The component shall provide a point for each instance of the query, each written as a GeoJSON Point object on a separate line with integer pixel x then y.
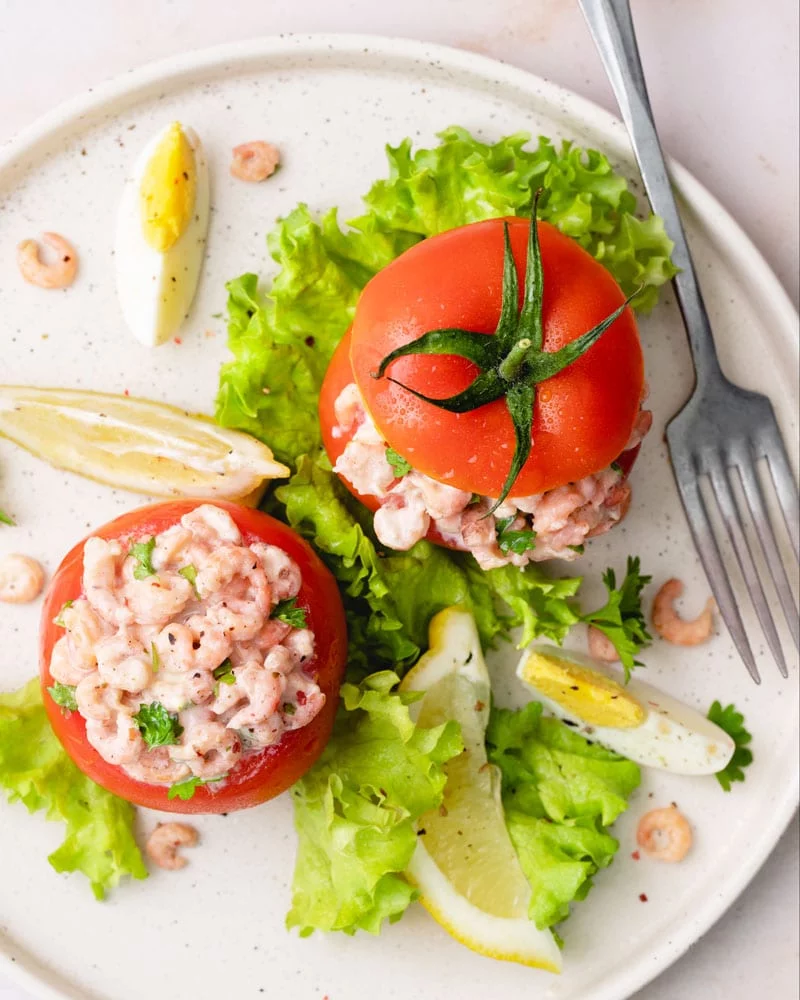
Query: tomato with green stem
{"type": "Point", "coordinates": [416, 345]}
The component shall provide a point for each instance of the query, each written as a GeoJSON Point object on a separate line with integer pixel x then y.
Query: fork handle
{"type": "Point", "coordinates": [611, 26]}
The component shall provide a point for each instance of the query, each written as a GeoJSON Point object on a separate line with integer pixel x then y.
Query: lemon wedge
{"type": "Point", "coordinates": [135, 444]}
{"type": "Point", "coordinates": [465, 865]}
{"type": "Point", "coordinates": [579, 690]}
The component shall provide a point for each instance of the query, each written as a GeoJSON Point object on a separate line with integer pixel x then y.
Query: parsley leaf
{"type": "Point", "coordinates": [159, 728]}
{"type": "Point", "coordinates": [224, 672]}
{"type": "Point", "coordinates": [514, 541]}
{"type": "Point", "coordinates": [399, 465]}
{"type": "Point", "coordinates": [190, 573]}
{"type": "Point", "coordinates": [6, 518]}
{"type": "Point", "coordinates": [64, 695]}
{"type": "Point", "coordinates": [142, 552]}
{"type": "Point", "coordinates": [733, 723]}
{"type": "Point", "coordinates": [60, 619]}
{"type": "Point", "coordinates": [287, 611]}
{"type": "Point", "coordinates": [288, 708]}
{"type": "Point", "coordinates": [622, 619]}
{"type": "Point", "coordinates": [185, 789]}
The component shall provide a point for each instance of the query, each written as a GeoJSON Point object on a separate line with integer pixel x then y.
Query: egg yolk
{"type": "Point", "coordinates": [167, 192]}
{"type": "Point", "coordinates": [587, 694]}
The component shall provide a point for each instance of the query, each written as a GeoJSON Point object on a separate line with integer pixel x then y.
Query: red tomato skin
{"type": "Point", "coordinates": [339, 375]}
{"type": "Point", "coordinates": [583, 416]}
{"type": "Point", "coordinates": [262, 775]}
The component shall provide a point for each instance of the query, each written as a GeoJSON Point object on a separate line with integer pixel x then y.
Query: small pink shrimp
{"type": "Point", "coordinates": [282, 571]}
{"type": "Point", "coordinates": [281, 660]}
{"type": "Point", "coordinates": [210, 644]}
{"type": "Point", "coordinates": [402, 519]}
{"type": "Point", "coordinates": [173, 546]}
{"type": "Point", "coordinates": [63, 668]}
{"type": "Point", "coordinates": [664, 834]}
{"type": "Point", "coordinates": [263, 689]}
{"type": "Point", "coordinates": [255, 161]}
{"type": "Point", "coordinates": [601, 647]}
{"type": "Point", "coordinates": [58, 274]}
{"type": "Point", "coordinates": [116, 740]}
{"type": "Point", "coordinates": [212, 525]}
{"type": "Point", "coordinates": [479, 534]}
{"type": "Point", "coordinates": [556, 507]}
{"type": "Point", "coordinates": [272, 634]}
{"type": "Point", "coordinates": [156, 599]}
{"type": "Point", "coordinates": [122, 661]}
{"type": "Point", "coordinates": [21, 579]}
{"type": "Point", "coordinates": [163, 843]}
{"type": "Point", "coordinates": [156, 768]}
{"type": "Point", "coordinates": [363, 464]}
{"type": "Point", "coordinates": [227, 698]}
{"type": "Point", "coordinates": [441, 500]}
{"type": "Point", "coordinates": [303, 700]}
{"type": "Point", "coordinates": [670, 626]}
{"type": "Point", "coordinates": [84, 630]}
{"type": "Point", "coordinates": [617, 504]}
{"type": "Point", "coordinates": [266, 734]}
{"type": "Point", "coordinates": [300, 644]}
{"type": "Point", "coordinates": [210, 750]}
{"type": "Point", "coordinates": [236, 588]}
{"type": "Point", "coordinates": [96, 698]}
{"type": "Point", "coordinates": [174, 646]}
{"type": "Point", "coordinates": [348, 408]}
{"type": "Point", "coordinates": [102, 560]}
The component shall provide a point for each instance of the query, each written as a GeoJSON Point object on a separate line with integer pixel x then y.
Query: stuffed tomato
{"type": "Point", "coordinates": [488, 395]}
{"type": "Point", "coordinates": [191, 656]}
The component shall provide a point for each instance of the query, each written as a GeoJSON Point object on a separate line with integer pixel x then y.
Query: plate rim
{"type": "Point", "coordinates": [738, 246]}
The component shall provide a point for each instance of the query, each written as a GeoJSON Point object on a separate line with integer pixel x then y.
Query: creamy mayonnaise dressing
{"type": "Point", "coordinates": [193, 632]}
{"type": "Point", "coordinates": [562, 518]}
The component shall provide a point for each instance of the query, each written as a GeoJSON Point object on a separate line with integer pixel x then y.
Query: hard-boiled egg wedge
{"type": "Point", "coordinates": [637, 720]}
{"type": "Point", "coordinates": [161, 234]}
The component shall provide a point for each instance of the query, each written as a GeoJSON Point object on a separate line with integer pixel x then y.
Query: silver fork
{"type": "Point", "coordinates": [723, 431]}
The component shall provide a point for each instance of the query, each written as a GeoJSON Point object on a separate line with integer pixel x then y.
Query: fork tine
{"type": "Point", "coordinates": [758, 511]}
{"type": "Point", "coordinates": [730, 516]}
{"type": "Point", "coordinates": [710, 556]}
{"type": "Point", "coordinates": [785, 487]}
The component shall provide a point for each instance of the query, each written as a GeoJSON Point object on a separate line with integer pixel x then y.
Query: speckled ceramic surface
{"type": "Point", "coordinates": [216, 929]}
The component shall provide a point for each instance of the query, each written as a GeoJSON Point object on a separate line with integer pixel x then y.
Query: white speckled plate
{"type": "Point", "coordinates": [216, 929]}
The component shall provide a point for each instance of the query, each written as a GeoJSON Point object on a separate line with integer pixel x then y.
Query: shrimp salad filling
{"type": "Point", "coordinates": [186, 650]}
{"type": "Point", "coordinates": [549, 525]}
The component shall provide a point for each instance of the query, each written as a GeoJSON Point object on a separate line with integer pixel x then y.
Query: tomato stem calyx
{"type": "Point", "coordinates": [511, 362]}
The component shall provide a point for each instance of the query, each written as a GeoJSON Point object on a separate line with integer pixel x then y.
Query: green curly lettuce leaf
{"type": "Point", "coordinates": [560, 794]}
{"type": "Point", "coordinates": [355, 810]}
{"type": "Point", "coordinates": [36, 771]}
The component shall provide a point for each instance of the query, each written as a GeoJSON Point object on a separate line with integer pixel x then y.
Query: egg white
{"type": "Point", "coordinates": [156, 289]}
{"type": "Point", "coordinates": [673, 737]}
